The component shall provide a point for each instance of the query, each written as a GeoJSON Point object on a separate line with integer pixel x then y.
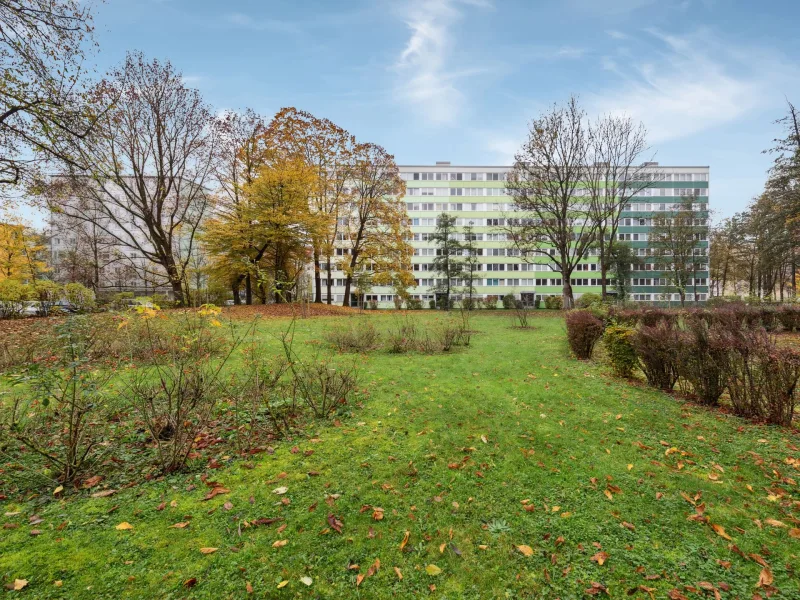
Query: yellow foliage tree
{"type": "Point", "coordinates": [271, 234]}
{"type": "Point", "coordinates": [20, 253]}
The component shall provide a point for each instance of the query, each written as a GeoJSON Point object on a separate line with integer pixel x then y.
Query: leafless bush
{"type": "Point", "coordinates": [521, 315]}
{"type": "Point", "coordinates": [319, 383]}
{"type": "Point", "coordinates": [403, 335]}
{"type": "Point", "coordinates": [60, 417]}
{"type": "Point", "coordinates": [657, 349]}
{"type": "Point", "coordinates": [176, 394]}
{"type": "Point", "coordinates": [363, 337]}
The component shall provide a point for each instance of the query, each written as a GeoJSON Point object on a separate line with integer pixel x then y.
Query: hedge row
{"type": "Point", "coordinates": [703, 352]}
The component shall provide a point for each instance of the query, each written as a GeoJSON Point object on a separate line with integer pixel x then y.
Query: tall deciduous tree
{"type": "Point", "coordinates": [617, 174]}
{"type": "Point", "coordinates": [241, 153]}
{"type": "Point", "coordinates": [327, 148]}
{"type": "Point", "coordinates": [373, 217]}
{"type": "Point", "coordinates": [145, 167]}
{"type": "Point", "coordinates": [273, 232]}
{"type": "Point", "coordinates": [675, 239]}
{"type": "Point", "coordinates": [552, 217]}
{"type": "Point", "coordinates": [21, 253]}
{"type": "Point", "coordinates": [43, 45]}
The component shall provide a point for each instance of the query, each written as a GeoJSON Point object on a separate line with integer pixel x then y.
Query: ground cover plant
{"type": "Point", "coordinates": [502, 469]}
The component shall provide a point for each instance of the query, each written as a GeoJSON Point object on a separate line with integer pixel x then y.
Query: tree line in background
{"type": "Point", "coordinates": [140, 162]}
{"type": "Point", "coordinates": [755, 253]}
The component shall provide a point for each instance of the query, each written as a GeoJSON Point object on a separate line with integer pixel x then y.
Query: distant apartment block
{"type": "Point", "coordinates": [476, 195]}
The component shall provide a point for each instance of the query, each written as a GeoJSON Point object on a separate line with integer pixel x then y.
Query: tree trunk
{"type": "Point", "coordinates": [347, 282]}
{"type": "Point", "coordinates": [317, 279]}
{"type": "Point", "coordinates": [603, 271]}
{"type": "Point", "coordinates": [248, 290]}
{"type": "Point", "coordinates": [235, 289]}
{"type": "Point", "coordinates": [329, 282]}
{"type": "Point", "coordinates": [566, 294]}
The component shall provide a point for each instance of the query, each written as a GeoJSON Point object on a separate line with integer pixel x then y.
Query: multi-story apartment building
{"type": "Point", "coordinates": [477, 196]}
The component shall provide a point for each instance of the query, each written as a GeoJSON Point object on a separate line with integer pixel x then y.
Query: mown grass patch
{"type": "Point", "coordinates": [454, 448]}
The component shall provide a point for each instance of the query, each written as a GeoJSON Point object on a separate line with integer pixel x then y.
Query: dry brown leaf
{"type": "Point", "coordinates": [600, 558]}
{"type": "Point", "coordinates": [280, 543]}
{"type": "Point", "coordinates": [765, 577]}
{"type": "Point", "coordinates": [525, 550]}
{"type": "Point", "coordinates": [399, 573]}
{"type": "Point", "coordinates": [720, 531]}
{"type": "Point", "coordinates": [208, 550]}
{"type": "Point", "coordinates": [180, 525]}
{"type": "Point", "coordinates": [405, 540]}
{"type": "Point", "coordinates": [124, 526]}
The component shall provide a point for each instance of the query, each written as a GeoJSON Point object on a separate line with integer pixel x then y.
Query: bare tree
{"type": "Point", "coordinates": [43, 45]}
{"type": "Point", "coordinates": [552, 217]}
{"type": "Point", "coordinates": [375, 217]}
{"type": "Point", "coordinates": [675, 238]}
{"type": "Point", "coordinates": [147, 164]}
{"type": "Point", "coordinates": [616, 145]}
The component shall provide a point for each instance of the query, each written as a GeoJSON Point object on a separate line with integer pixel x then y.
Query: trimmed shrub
{"type": "Point", "coordinates": [702, 359]}
{"type": "Point", "coordinates": [789, 317]}
{"type": "Point", "coordinates": [651, 317]}
{"type": "Point", "coordinates": [490, 302]}
{"type": "Point", "coordinates": [584, 330]}
{"type": "Point", "coordinates": [554, 302]}
{"type": "Point", "coordinates": [414, 304]}
{"type": "Point", "coordinates": [537, 302]}
{"type": "Point", "coordinates": [618, 342]}
{"type": "Point", "coordinates": [588, 299]}
{"type": "Point", "coordinates": [13, 296]}
{"type": "Point", "coordinates": [79, 296]}
{"type": "Point", "coordinates": [657, 349]}
{"type": "Point", "coordinates": [509, 301]}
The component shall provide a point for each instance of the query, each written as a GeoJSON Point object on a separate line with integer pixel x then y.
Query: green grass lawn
{"type": "Point", "coordinates": [455, 449]}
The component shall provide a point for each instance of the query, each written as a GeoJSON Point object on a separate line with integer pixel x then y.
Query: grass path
{"type": "Point", "coordinates": [454, 449]}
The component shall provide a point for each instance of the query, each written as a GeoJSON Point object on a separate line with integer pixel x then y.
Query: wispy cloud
{"type": "Point", "coordinates": [697, 82]}
{"type": "Point", "coordinates": [426, 78]}
{"type": "Point", "coordinates": [258, 24]}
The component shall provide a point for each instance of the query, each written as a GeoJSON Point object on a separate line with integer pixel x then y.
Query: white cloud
{"type": "Point", "coordinates": [617, 35]}
{"type": "Point", "coordinates": [247, 22]}
{"type": "Point", "coordinates": [192, 80]}
{"type": "Point", "coordinates": [697, 83]}
{"type": "Point", "coordinates": [426, 78]}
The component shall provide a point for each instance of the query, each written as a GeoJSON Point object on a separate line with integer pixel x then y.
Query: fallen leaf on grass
{"type": "Point", "coordinates": [405, 540]}
{"type": "Point", "coordinates": [179, 525]}
{"type": "Point", "coordinates": [280, 490]}
{"type": "Point", "coordinates": [124, 526]}
{"type": "Point", "coordinates": [306, 580]}
{"type": "Point", "coordinates": [283, 583]}
{"type": "Point", "coordinates": [216, 492]}
{"type": "Point", "coordinates": [794, 532]}
{"type": "Point", "coordinates": [720, 531]}
{"type": "Point", "coordinates": [335, 523]}
{"type": "Point", "coordinates": [92, 481]}
{"type": "Point", "coordinates": [774, 522]}
{"type": "Point", "coordinates": [432, 570]}
{"type": "Point", "coordinates": [190, 583]}
{"type": "Point", "coordinates": [208, 550]}
{"type": "Point", "coordinates": [280, 543]}
{"type": "Point", "coordinates": [765, 577]}
{"type": "Point", "coordinates": [525, 550]}
{"type": "Point", "coordinates": [600, 558]}
{"type": "Point", "coordinates": [104, 494]}
{"type": "Point", "coordinates": [58, 490]}
{"type": "Point", "coordinates": [398, 573]}
{"type": "Point", "coordinates": [19, 584]}
{"type": "Point", "coordinates": [597, 588]}
{"type": "Point", "coordinates": [249, 587]}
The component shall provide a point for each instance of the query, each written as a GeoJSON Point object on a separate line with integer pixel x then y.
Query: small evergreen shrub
{"type": "Point", "coordinates": [554, 302]}
{"type": "Point", "coordinates": [584, 330]}
{"type": "Point", "coordinates": [588, 299]}
{"type": "Point", "coordinates": [509, 301]}
{"type": "Point", "coordinates": [618, 342]}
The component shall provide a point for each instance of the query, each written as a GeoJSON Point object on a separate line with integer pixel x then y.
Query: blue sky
{"type": "Point", "coordinates": [459, 80]}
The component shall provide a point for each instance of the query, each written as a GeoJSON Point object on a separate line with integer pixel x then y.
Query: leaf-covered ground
{"type": "Point", "coordinates": [504, 470]}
